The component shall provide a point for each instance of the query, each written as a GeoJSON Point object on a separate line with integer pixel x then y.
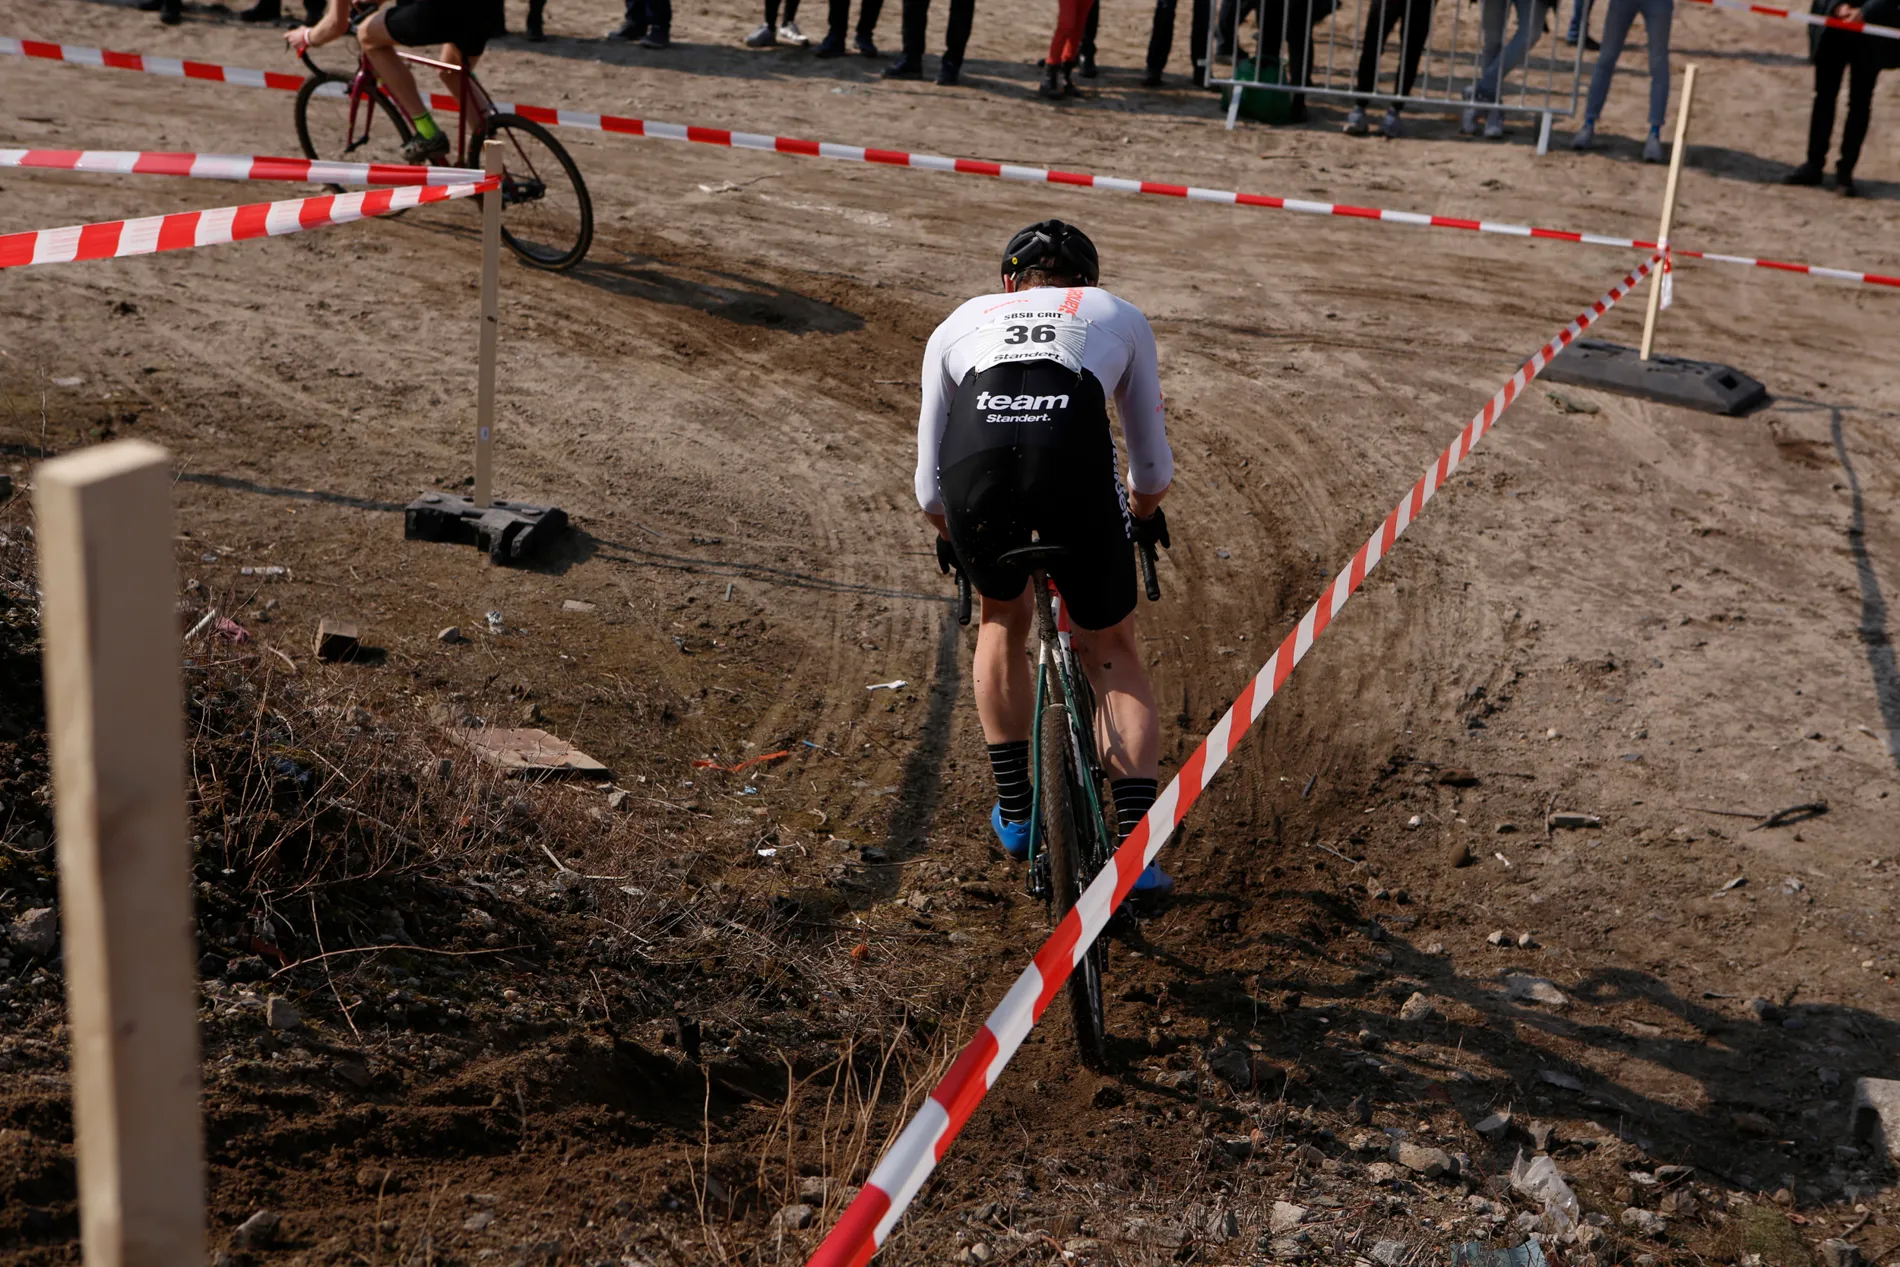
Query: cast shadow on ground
{"type": "Point", "coordinates": [741, 300]}
{"type": "Point", "coordinates": [642, 557]}
{"type": "Point", "coordinates": [1875, 630]}
{"type": "Point", "coordinates": [233, 483]}
{"type": "Point", "coordinates": [1770, 1100]}
{"type": "Point", "coordinates": [1733, 164]}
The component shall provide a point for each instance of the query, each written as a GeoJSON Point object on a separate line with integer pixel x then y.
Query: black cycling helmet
{"type": "Point", "coordinates": [1056, 247]}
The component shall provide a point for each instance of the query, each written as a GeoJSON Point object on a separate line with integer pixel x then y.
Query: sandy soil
{"type": "Point", "coordinates": [1664, 619]}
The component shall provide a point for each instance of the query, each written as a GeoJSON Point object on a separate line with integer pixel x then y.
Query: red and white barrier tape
{"type": "Point", "coordinates": [1805, 19]}
{"type": "Point", "coordinates": [624, 126]}
{"type": "Point", "coordinates": [916, 1152]}
{"type": "Point", "coordinates": [184, 229]}
{"type": "Point", "coordinates": [236, 167]}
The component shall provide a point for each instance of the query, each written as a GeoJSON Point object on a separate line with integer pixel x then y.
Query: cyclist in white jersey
{"type": "Point", "coordinates": [1014, 444]}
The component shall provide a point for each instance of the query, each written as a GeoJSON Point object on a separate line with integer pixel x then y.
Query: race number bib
{"type": "Point", "coordinates": [1048, 335]}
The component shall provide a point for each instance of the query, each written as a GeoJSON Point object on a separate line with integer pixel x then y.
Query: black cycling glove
{"type": "Point", "coordinates": [946, 555]}
{"type": "Point", "coordinates": [1153, 531]}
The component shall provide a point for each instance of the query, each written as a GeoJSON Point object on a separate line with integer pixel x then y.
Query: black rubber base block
{"type": "Point", "coordinates": [1705, 385]}
{"type": "Point", "coordinates": [511, 532]}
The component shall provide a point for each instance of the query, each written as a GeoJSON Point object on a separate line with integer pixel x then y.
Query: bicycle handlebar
{"type": "Point", "coordinates": [1148, 579]}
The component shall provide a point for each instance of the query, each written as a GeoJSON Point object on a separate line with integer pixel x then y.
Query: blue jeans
{"type": "Point", "coordinates": [1657, 15]}
{"type": "Point", "coordinates": [1576, 21]}
{"type": "Point", "coordinates": [1497, 64]}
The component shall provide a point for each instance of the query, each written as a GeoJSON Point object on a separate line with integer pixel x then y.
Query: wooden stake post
{"type": "Point", "coordinates": [115, 710]}
{"type": "Point", "coordinates": [485, 373]}
{"type": "Point", "coordinates": [1668, 211]}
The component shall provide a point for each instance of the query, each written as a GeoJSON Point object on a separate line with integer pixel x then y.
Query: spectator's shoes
{"type": "Point", "coordinates": [629, 31]}
{"type": "Point", "coordinates": [788, 33]}
{"type": "Point", "coordinates": [1051, 86]}
{"type": "Point", "coordinates": [1356, 123]}
{"type": "Point", "coordinates": [1806, 174]}
{"type": "Point", "coordinates": [830, 46]}
{"type": "Point", "coordinates": [905, 67]}
{"type": "Point", "coordinates": [1089, 70]}
{"type": "Point", "coordinates": [534, 32]}
{"type": "Point", "coordinates": [1468, 121]}
{"type": "Point", "coordinates": [866, 46]}
{"type": "Point", "coordinates": [1200, 75]}
{"type": "Point", "coordinates": [1494, 124]}
{"type": "Point", "coordinates": [418, 149]}
{"type": "Point", "coordinates": [948, 73]}
{"type": "Point", "coordinates": [1297, 112]}
{"type": "Point", "coordinates": [1014, 837]}
{"type": "Point", "coordinates": [1393, 125]}
{"type": "Point", "coordinates": [171, 13]}
{"type": "Point", "coordinates": [1586, 136]}
{"type": "Point", "coordinates": [763, 37]}
{"type": "Point", "coordinates": [657, 38]}
{"type": "Point", "coordinates": [1844, 181]}
{"type": "Point", "coordinates": [1152, 79]}
{"type": "Point", "coordinates": [1653, 149]}
{"type": "Point", "coordinates": [263, 11]}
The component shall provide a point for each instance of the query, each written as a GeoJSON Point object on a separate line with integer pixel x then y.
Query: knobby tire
{"type": "Point", "coordinates": [321, 140]}
{"type": "Point", "coordinates": [1062, 837]}
{"type": "Point", "coordinates": [547, 242]}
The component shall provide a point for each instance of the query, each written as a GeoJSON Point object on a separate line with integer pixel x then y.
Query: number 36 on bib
{"type": "Point", "coordinates": [1032, 336]}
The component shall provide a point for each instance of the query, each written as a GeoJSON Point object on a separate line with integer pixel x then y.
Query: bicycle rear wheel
{"type": "Point", "coordinates": [546, 216]}
{"type": "Point", "coordinates": [326, 131]}
{"type": "Point", "coordinates": [1064, 838]}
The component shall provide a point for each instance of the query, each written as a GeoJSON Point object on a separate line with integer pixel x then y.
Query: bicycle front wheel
{"type": "Point", "coordinates": [546, 216]}
{"type": "Point", "coordinates": [1067, 846]}
{"type": "Point", "coordinates": [327, 130]}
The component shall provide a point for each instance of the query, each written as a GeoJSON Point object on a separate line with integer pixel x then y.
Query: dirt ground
{"type": "Point", "coordinates": [1673, 622]}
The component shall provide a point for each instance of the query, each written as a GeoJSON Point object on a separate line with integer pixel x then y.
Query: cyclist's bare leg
{"type": "Point", "coordinates": [1005, 687]}
{"type": "Point", "coordinates": [380, 47]}
{"type": "Point", "coordinates": [1127, 725]}
{"type": "Point", "coordinates": [452, 79]}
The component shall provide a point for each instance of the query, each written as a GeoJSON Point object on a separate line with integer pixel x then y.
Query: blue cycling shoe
{"type": "Point", "coordinates": [1154, 882]}
{"type": "Point", "coordinates": [1014, 837]}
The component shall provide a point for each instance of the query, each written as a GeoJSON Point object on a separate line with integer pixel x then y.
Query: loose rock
{"type": "Point", "coordinates": [1285, 1217]}
{"type": "Point", "coordinates": [1645, 1222]}
{"type": "Point", "coordinates": [1388, 1253]}
{"type": "Point", "coordinates": [1836, 1252]}
{"type": "Point", "coordinates": [450, 636]}
{"type": "Point", "coordinates": [1495, 1127]}
{"type": "Point", "coordinates": [259, 1231]}
{"type": "Point", "coordinates": [1418, 1008]}
{"type": "Point", "coordinates": [1573, 821]}
{"type": "Point", "coordinates": [279, 1013]}
{"type": "Point", "coordinates": [36, 932]}
{"type": "Point", "coordinates": [1459, 854]}
{"type": "Point", "coordinates": [1232, 1066]}
{"type": "Point", "coordinates": [794, 1218]}
{"type": "Point", "coordinates": [1533, 990]}
{"type": "Point", "coordinates": [478, 1221]}
{"type": "Point", "coordinates": [1433, 1163]}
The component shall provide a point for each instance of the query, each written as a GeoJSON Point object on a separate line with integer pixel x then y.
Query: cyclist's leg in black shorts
{"type": "Point", "coordinates": [1028, 450]}
{"type": "Point", "coordinates": [467, 24]}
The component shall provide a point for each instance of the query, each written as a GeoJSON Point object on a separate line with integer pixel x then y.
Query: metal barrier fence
{"type": "Point", "coordinates": [1439, 54]}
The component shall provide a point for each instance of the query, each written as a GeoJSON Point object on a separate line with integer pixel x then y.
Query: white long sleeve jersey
{"type": "Point", "coordinates": [1085, 328]}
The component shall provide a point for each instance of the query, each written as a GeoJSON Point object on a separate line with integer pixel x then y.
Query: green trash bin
{"type": "Point", "coordinates": [1264, 106]}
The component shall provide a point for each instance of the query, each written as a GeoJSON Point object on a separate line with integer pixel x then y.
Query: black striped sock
{"type": "Point", "coordinates": [1132, 799]}
{"type": "Point", "coordinates": [1009, 762]}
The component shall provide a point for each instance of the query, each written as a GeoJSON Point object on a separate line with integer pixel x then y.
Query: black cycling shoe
{"type": "Point", "coordinates": [948, 74]}
{"type": "Point", "coordinates": [905, 67]}
{"type": "Point", "coordinates": [631, 32]}
{"type": "Point", "coordinates": [419, 150]}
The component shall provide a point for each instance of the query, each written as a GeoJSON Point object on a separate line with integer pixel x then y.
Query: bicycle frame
{"type": "Point", "coordinates": [472, 101]}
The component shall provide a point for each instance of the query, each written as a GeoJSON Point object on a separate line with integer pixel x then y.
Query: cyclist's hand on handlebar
{"type": "Point", "coordinates": [1153, 531]}
{"type": "Point", "coordinates": [298, 41]}
{"type": "Point", "coordinates": [946, 556]}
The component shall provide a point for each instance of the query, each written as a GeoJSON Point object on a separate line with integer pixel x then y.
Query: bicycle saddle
{"type": "Point", "coordinates": [1034, 558]}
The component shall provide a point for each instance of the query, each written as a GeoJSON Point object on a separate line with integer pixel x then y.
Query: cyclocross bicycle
{"type": "Point", "coordinates": [1071, 828]}
{"type": "Point", "coordinates": [546, 216]}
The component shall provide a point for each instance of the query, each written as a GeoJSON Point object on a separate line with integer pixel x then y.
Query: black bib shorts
{"type": "Point", "coordinates": [467, 24]}
{"type": "Point", "coordinates": [1028, 450]}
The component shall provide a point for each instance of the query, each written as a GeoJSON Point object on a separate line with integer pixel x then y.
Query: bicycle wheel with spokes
{"type": "Point", "coordinates": [327, 131]}
{"type": "Point", "coordinates": [546, 216]}
{"type": "Point", "coordinates": [1063, 837]}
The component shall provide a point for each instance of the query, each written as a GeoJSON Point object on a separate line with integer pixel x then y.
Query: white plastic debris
{"type": "Point", "coordinates": [898, 685]}
{"type": "Point", "coordinates": [1542, 1182]}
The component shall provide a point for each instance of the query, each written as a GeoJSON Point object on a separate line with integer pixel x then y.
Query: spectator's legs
{"type": "Point", "coordinates": [1491, 44]}
{"type": "Point", "coordinates": [1089, 29]}
{"type": "Point", "coordinates": [660, 17]}
{"type": "Point", "coordinates": [868, 14]}
{"type": "Point", "coordinates": [1063, 45]}
{"type": "Point", "coordinates": [1161, 38]}
{"type": "Point", "coordinates": [1417, 15]}
{"type": "Point", "coordinates": [838, 22]}
{"type": "Point", "coordinates": [1831, 56]}
{"type": "Point", "coordinates": [1658, 17]}
{"type": "Point", "coordinates": [1200, 12]}
{"type": "Point", "coordinates": [957, 38]}
{"type": "Point", "coordinates": [1299, 51]}
{"type": "Point", "coordinates": [1616, 29]}
{"type": "Point", "coordinates": [1577, 22]}
{"type": "Point", "coordinates": [1863, 74]}
{"type": "Point", "coordinates": [1227, 29]}
{"type": "Point", "coordinates": [1381, 17]}
{"type": "Point", "coordinates": [771, 14]}
{"type": "Point", "coordinates": [1530, 29]}
{"type": "Point", "coordinates": [916, 18]}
